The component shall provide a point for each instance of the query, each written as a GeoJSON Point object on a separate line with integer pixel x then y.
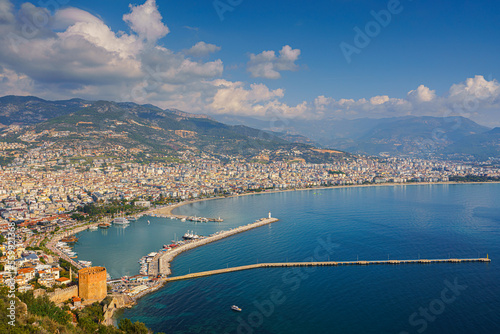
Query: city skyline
{"type": "Point", "coordinates": [341, 59]}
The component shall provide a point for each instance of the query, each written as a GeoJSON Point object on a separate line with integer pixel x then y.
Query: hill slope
{"type": "Point", "coordinates": [140, 130]}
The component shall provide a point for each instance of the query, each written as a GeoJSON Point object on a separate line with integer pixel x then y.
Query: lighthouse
{"type": "Point", "coordinates": [269, 216]}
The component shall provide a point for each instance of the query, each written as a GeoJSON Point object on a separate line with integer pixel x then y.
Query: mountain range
{"type": "Point", "coordinates": [153, 129]}
{"type": "Point", "coordinates": [142, 129]}
{"type": "Point", "coordinates": [448, 137]}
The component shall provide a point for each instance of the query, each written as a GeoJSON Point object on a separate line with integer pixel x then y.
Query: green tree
{"type": "Point", "coordinates": [128, 327]}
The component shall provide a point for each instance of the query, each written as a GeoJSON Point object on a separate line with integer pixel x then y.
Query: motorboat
{"type": "Point", "coordinates": [236, 308]}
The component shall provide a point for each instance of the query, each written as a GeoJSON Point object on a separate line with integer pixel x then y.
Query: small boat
{"type": "Point", "coordinates": [69, 239]}
{"type": "Point", "coordinates": [93, 228]}
{"type": "Point", "coordinates": [183, 219]}
{"type": "Point", "coordinates": [235, 308]}
{"type": "Point", "coordinates": [104, 225]}
{"type": "Point", "coordinates": [149, 222]}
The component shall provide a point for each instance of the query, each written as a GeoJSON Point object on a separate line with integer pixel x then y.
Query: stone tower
{"type": "Point", "coordinates": [92, 284]}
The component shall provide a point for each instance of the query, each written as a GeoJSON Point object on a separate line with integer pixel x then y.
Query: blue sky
{"type": "Point", "coordinates": [446, 52]}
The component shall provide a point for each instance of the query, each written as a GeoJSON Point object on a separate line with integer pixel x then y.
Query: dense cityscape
{"type": "Point", "coordinates": [336, 165]}
{"type": "Point", "coordinates": [49, 193]}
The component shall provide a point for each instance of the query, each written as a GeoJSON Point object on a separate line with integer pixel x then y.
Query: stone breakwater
{"type": "Point", "coordinates": [160, 265]}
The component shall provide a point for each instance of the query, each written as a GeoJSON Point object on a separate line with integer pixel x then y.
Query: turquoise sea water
{"type": "Point", "coordinates": [371, 223]}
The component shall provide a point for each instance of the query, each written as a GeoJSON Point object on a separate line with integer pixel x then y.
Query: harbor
{"type": "Point", "coordinates": [160, 263]}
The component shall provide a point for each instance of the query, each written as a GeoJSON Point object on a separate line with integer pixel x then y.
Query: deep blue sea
{"type": "Point", "coordinates": [368, 223]}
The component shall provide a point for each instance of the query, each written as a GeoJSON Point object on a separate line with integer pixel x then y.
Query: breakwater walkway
{"type": "Point", "coordinates": [160, 265]}
{"type": "Point", "coordinates": [315, 264]}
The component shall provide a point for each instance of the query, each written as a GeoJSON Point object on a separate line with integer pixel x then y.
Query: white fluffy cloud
{"type": "Point", "coordinates": [202, 49]}
{"type": "Point", "coordinates": [478, 89]}
{"type": "Point", "coordinates": [267, 65]}
{"type": "Point", "coordinates": [258, 100]}
{"type": "Point", "coordinates": [6, 15]}
{"type": "Point", "coordinates": [66, 17]}
{"type": "Point", "coordinates": [146, 21]}
{"type": "Point", "coordinates": [74, 53]}
{"type": "Point", "coordinates": [12, 83]}
{"type": "Point", "coordinates": [476, 98]}
{"type": "Point", "coordinates": [422, 94]}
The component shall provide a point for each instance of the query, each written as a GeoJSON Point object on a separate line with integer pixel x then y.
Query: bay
{"type": "Point", "coordinates": [365, 223]}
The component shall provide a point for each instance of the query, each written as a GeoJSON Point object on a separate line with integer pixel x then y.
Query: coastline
{"type": "Point", "coordinates": [167, 210]}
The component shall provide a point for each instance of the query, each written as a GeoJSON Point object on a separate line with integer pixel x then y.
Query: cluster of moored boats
{"type": "Point", "coordinates": [66, 249]}
{"type": "Point", "coordinates": [144, 261]}
{"type": "Point", "coordinates": [85, 264]}
{"type": "Point", "coordinates": [191, 236]}
{"type": "Point", "coordinates": [63, 247]}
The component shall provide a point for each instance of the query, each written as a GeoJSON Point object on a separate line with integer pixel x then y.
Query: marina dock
{"type": "Point", "coordinates": [321, 264]}
{"type": "Point", "coordinates": [58, 236]}
{"type": "Point", "coordinates": [160, 265]}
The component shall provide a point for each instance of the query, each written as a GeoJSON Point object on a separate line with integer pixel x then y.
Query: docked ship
{"type": "Point", "coordinates": [121, 221]}
{"type": "Point", "coordinates": [104, 225]}
{"type": "Point", "coordinates": [190, 236]}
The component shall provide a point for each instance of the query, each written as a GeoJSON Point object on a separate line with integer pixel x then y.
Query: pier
{"type": "Point", "coordinates": [321, 264]}
{"type": "Point", "coordinates": [160, 265]}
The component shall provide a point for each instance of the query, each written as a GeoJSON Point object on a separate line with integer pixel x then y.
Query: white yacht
{"type": "Point", "coordinates": [121, 221]}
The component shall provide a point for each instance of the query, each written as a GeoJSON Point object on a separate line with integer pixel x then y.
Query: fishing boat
{"type": "Point", "coordinates": [190, 236]}
{"type": "Point", "coordinates": [104, 225]}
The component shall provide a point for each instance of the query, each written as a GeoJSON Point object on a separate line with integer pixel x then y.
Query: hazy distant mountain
{"type": "Point", "coordinates": [411, 135]}
{"type": "Point", "coordinates": [145, 128]}
{"type": "Point", "coordinates": [395, 136]}
{"type": "Point", "coordinates": [483, 145]}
